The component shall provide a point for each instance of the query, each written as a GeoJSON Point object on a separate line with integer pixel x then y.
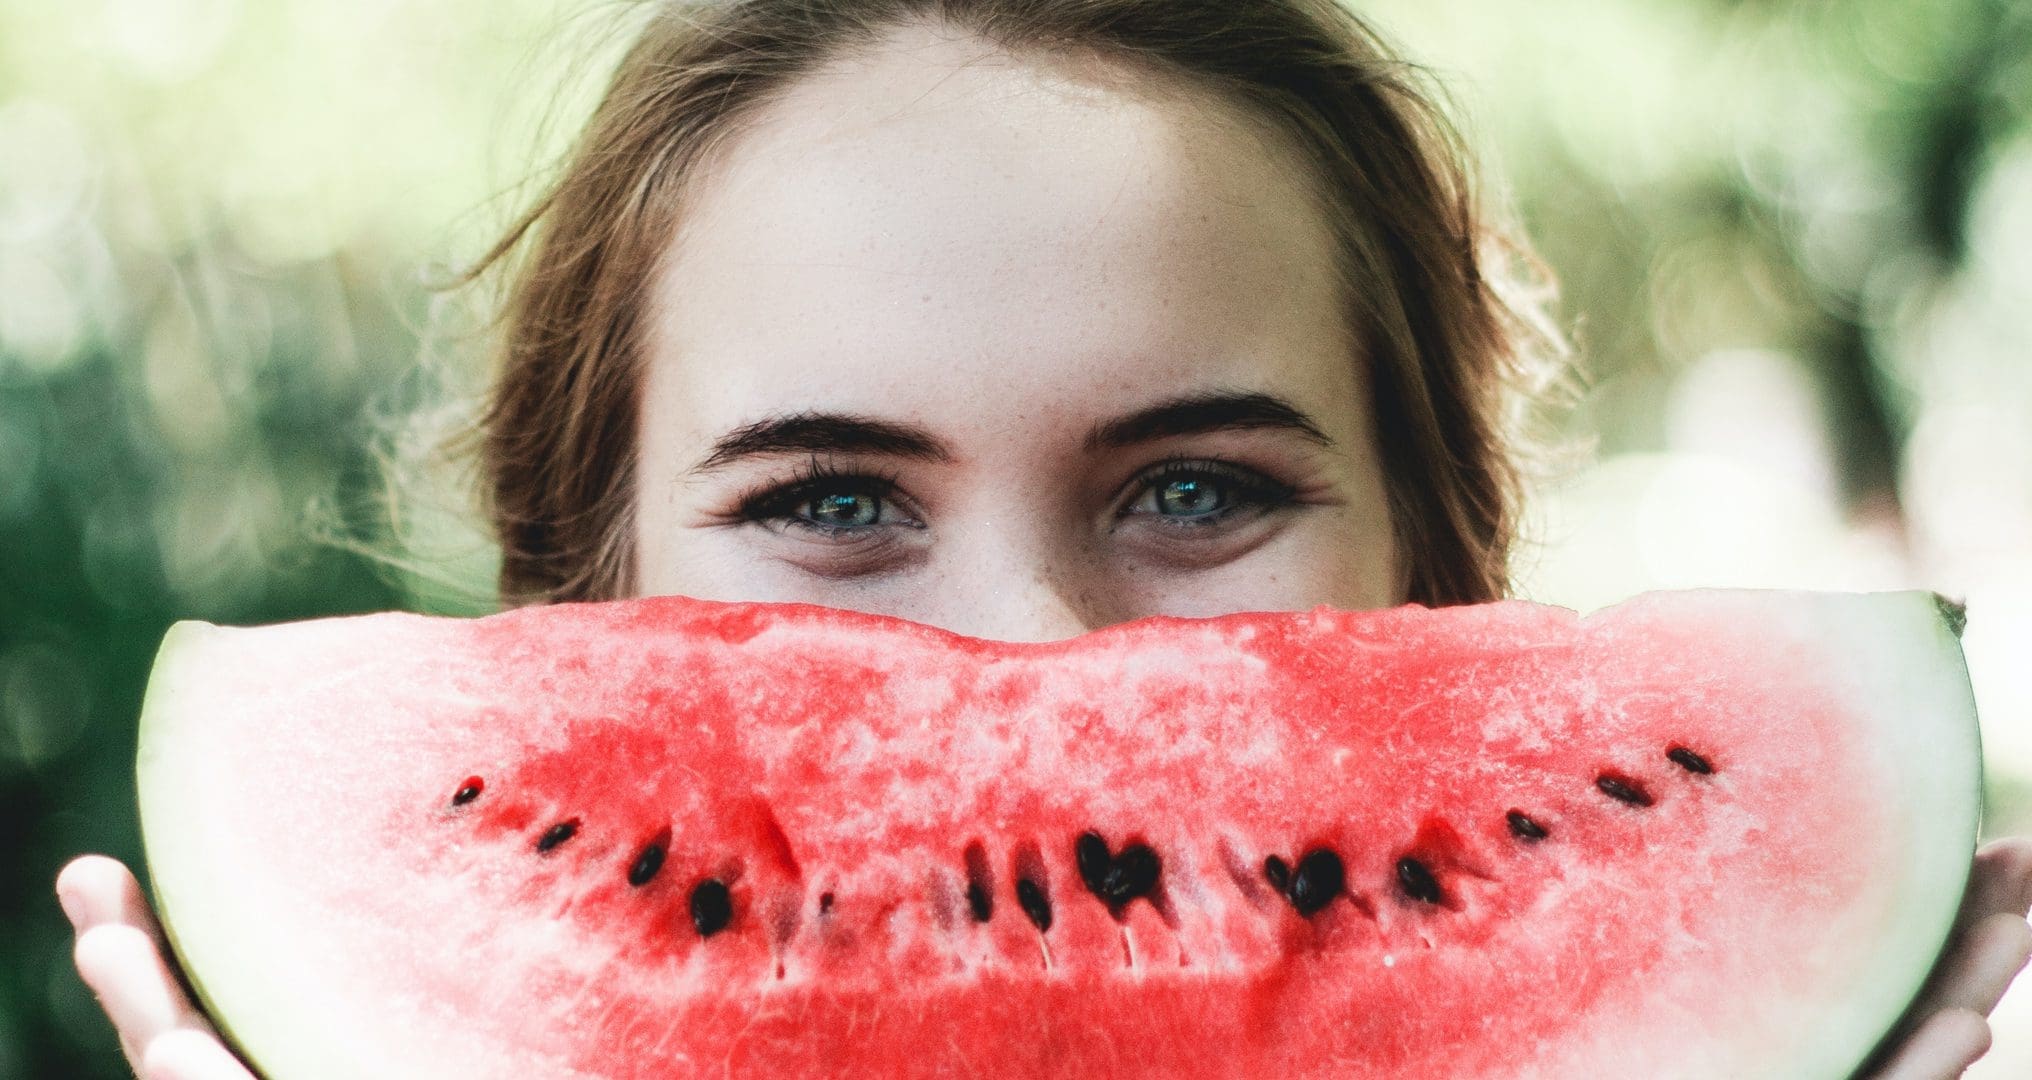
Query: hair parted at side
{"type": "Point", "coordinates": [1445, 306]}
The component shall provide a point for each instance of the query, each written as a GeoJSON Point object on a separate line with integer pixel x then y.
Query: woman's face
{"type": "Point", "coordinates": [980, 343]}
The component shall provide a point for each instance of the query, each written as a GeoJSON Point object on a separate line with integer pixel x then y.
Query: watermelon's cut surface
{"type": "Point", "coordinates": [1701, 835]}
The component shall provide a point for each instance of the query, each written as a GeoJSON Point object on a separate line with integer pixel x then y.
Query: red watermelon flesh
{"type": "Point", "coordinates": [1715, 834]}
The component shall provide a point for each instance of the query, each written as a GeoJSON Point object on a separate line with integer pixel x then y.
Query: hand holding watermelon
{"type": "Point", "coordinates": [1991, 944]}
{"type": "Point", "coordinates": [122, 956]}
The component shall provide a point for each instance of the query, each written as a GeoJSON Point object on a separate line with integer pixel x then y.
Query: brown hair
{"type": "Point", "coordinates": [1452, 358]}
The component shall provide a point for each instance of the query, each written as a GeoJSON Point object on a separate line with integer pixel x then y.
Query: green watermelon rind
{"type": "Point", "coordinates": [1908, 663]}
{"type": "Point", "coordinates": [1934, 891]}
{"type": "Point", "coordinates": [180, 658]}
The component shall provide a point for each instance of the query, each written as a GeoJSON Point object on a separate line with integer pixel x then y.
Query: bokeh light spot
{"type": "Point", "coordinates": [1998, 644]}
{"type": "Point", "coordinates": [1965, 483]}
{"type": "Point", "coordinates": [121, 562]}
{"type": "Point", "coordinates": [2000, 223]}
{"type": "Point", "coordinates": [180, 377]}
{"type": "Point", "coordinates": [45, 704]}
{"type": "Point", "coordinates": [21, 449]}
{"type": "Point", "coordinates": [212, 537]}
{"type": "Point", "coordinates": [41, 319]}
{"type": "Point", "coordinates": [168, 41]}
{"type": "Point", "coordinates": [1757, 407]}
{"type": "Point", "coordinates": [46, 170]}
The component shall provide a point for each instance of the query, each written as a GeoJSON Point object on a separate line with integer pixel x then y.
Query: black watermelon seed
{"type": "Point", "coordinates": [979, 902]}
{"type": "Point", "coordinates": [1623, 790]}
{"type": "Point", "coordinates": [467, 791]}
{"type": "Point", "coordinates": [1030, 897]}
{"type": "Point", "coordinates": [825, 903]}
{"type": "Point", "coordinates": [712, 907]}
{"type": "Point", "coordinates": [1690, 761]}
{"type": "Point", "coordinates": [1134, 874]}
{"type": "Point", "coordinates": [646, 864]}
{"type": "Point", "coordinates": [1417, 880]}
{"type": "Point", "coordinates": [1317, 881]}
{"type": "Point", "coordinates": [980, 882]}
{"type": "Point", "coordinates": [1523, 828]}
{"type": "Point", "coordinates": [557, 834]}
{"type": "Point", "coordinates": [1091, 853]}
{"type": "Point", "coordinates": [1278, 873]}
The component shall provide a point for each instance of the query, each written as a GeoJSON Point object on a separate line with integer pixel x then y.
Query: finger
{"type": "Point", "coordinates": [95, 891]}
{"type": "Point", "coordinates": [191, 1055]}
{"type": "Point", "coordinates": [106, 969]}
{"type": "Point", "coordinates": [1979, 967]}
{"type": "Point", "coordinates": [2001, 881]}
{"type": "Point", "coordinates": [1941, 1049]}
{"type": "Point", "coordinates": [121, 965]}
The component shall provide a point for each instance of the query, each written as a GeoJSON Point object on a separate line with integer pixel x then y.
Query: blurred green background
{"type": "Point", "coordinates": [1795, 241]}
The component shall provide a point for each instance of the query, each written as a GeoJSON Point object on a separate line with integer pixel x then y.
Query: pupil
{"type": "Point", "coordinates": [1189, 497]}
{"type": "Point", "coordinates": [841, 510]}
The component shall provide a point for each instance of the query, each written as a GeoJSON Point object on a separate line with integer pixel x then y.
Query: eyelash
{"type": "Point", "coordinates": [815, 478]}
{"type": "Point", "coordinates": [1247, 488]}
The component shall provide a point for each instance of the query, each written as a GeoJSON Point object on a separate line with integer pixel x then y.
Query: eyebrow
{"type": "Point", "coordinates": [816, 432]}
{"type": "Point", "coordinates": [1196, 414]}
{"type": "Point", "coordinates": [824, 432]}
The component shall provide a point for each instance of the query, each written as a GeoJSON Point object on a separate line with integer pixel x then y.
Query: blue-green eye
{"type": "Point", "coordinates": [1201, 493]}
{"type": "Point", "coordinates": [834, 504]}
{"type": "Point", "coordinates": [1188, 498]}
{"type": "Point", "coordinates": [845, 510]}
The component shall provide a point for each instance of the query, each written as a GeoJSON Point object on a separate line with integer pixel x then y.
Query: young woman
{"type": "Point", "coordinates": [1020, 318]}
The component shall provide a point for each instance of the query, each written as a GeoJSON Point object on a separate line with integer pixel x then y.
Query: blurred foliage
{"type": "Point", "coordinates": [1795, 237]}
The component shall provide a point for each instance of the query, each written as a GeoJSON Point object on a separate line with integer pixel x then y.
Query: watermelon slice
{"type": "Point", "coordinates": [1697, 835]}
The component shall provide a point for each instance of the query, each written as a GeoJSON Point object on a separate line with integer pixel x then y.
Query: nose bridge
{"type": "Point", "coordinates": [1026, 589]}
{"type": "Point", "coordinates": [1035, 610]}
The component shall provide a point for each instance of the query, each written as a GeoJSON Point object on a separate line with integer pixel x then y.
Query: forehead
{"type": "Point", "coordinates": [938, 231]}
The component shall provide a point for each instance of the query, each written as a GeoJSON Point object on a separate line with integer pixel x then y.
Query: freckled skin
{"type": "Point", "coordinates": [1006, 254]}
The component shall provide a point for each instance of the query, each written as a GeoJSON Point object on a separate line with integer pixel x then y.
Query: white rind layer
{"type": "Point", "coordinates": [214, 911]}
{"type": "Point", "coordinates": [1910, 674]}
